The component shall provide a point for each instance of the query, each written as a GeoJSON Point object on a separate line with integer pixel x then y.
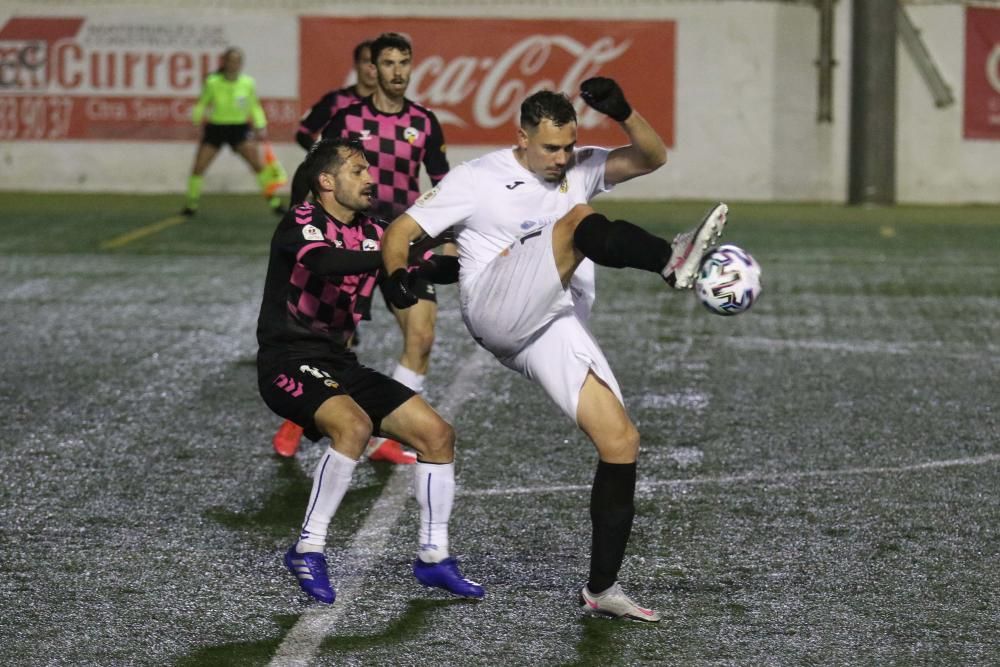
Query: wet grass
{"type": "Point", "coordinates": [817, 482]}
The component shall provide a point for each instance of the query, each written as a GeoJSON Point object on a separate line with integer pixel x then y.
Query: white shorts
{"type": "Point", "coordinates": [518, 309]}
{"type": "Point", "coordinates": [584, 289]}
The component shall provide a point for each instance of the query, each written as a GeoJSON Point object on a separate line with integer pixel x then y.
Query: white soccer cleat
{"type": "Point", "coordinates": [688, 248]}
{"type": "Point", "coordinates": [613, 602]}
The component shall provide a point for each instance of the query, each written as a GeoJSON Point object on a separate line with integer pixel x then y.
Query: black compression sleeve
{"type": "Point", "coordinates": [618, 243]}
{"type": "Point", "coordinates": [341, 262]}
{"type": "Point", "coordinates": [439, 269]}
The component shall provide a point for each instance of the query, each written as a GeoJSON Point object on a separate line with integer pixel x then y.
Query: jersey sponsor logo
{"type": "Point", "coordinates": [369, 244]}
{"type": "Point", "coordinates": [310, 233]}
{"type": "Point", "coordinates": [365, 135]}
{"type": "Point", "coordinates": [426, 197]}
{"type": "Point", "coordinates": [513, 185]}
{"type": "Point", "coordinates": [411, 134]}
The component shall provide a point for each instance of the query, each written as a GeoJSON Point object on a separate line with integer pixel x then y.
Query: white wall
{"type": "Point", "coordinates": [746, 109]}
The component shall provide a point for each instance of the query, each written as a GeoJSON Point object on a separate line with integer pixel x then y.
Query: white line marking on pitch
{"type": "Point", "coordinates": [748, 477]}
{"type": "Point", "coordinates": [302, 642]}
{"type": "Point", "coordinates": [977, 351]}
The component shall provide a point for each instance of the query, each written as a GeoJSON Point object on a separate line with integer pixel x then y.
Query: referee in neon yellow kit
{"type": "Point", "coordinates": [234, 116]}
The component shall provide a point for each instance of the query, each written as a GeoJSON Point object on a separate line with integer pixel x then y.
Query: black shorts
{"type": "Point", "coordinates": [294, 387]}
{"type": "Point", "coordinates": [234, 135]}
{"type": "Point", "coordinates": [422, 288]}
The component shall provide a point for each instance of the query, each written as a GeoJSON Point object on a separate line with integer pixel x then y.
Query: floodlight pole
{"type": "Point", "coordinates": [872, 162]}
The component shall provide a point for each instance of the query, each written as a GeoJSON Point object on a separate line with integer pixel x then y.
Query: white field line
{"type": "Point", "coordinates": [750, 477]}
{"type": "Point", "coordinates": [970, 351]}
{"type": "Point", "coordinates": [302, 642]}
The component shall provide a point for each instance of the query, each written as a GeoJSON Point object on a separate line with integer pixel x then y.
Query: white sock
{"type": "Point", "coordinates": [411, 379]}
{"type": "Point", "coordinates": [330, 482]}
{"type": "Point", "coordinates": [434, 487]}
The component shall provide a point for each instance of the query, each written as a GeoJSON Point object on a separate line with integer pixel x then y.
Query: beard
{"type": "Point", "coordinates": [387, 84]}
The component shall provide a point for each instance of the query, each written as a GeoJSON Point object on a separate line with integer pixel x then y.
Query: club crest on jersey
{"type": "Point", "coordinates": [337, 243]}
{"type": "Point", "coordinates": [365, 135]}
{"type": "Point", "coordinates": [310, 233]}
{"type": "Point", "coordinates": [369, 244]}
{"type": "Point", "coordinates": [426, 197]}
{"type": "Point", "coordinates": [564, 186]}
{"type": "Point", "coordinates": [411, 134]}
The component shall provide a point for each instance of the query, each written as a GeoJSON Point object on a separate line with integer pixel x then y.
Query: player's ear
{"type": "Point", "coordinates": [522, 138]}
{"type": "Point", "coordinates": [327, 181]}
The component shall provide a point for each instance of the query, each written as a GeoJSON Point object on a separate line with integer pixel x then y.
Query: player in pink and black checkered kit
{"type": "Point", "coordinates": [324, 264]}
{"type": "Point", "coordinates": [319, 115]}
{"type": "Point", "coordinates": [398, 136]}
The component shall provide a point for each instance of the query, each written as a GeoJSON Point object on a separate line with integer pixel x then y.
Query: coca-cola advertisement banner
{"type": "Point", "coordinates": [474, 73]}
{"type": "Point", "coordinates": [982, 73]}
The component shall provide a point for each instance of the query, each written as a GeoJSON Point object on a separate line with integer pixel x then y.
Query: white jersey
{"type": "Point", "coordinates": [493, 201]}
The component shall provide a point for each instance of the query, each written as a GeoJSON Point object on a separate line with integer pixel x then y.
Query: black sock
{"type": "Point", "coordinates": [612, 508]}
{"type": "Point", "coordinates": [619, 244]}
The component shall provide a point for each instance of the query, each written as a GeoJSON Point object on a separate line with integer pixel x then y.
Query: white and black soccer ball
{"type": "Point", "coordinates": [728, 282]}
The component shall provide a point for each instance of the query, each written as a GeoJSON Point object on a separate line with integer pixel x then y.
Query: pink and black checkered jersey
{"type": "Point", "coordinates": [306, 311]}
{"type": "Point", "coordinates": [396, 144]}
{"type": "Point", "coordinates": [319, 114]}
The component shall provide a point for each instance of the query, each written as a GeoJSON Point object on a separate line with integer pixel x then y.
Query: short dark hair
{"type": "Point", "coordinates": [225, 54]}
{"type": "Point", "coordinates": [325, 155]}
{"type": "Point", "coordinates": [390, 40]}
{"type": "Point", "coordinates": [547, 104]}
{"type": "Point", "coordinates": [367, 44]}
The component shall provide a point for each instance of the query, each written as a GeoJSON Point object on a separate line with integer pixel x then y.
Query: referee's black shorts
{"type": "Point", "coordinates": [294, 386]}
{"type": "Point", "coordinates": [234, 135]}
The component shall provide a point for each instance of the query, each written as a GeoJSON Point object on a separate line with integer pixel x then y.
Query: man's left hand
{"type": "Point", "coordinates": [606, 96]}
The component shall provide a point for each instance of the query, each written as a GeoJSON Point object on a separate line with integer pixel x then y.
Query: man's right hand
{"type": "Point", "coordinates": [396, 288]}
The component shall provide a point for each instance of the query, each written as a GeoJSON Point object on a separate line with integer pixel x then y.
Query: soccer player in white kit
{"type": "Point", "coordinates": [523, 226]}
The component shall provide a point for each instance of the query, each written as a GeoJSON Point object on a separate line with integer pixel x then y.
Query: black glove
{"type": "Point", "coordinates": [606, 96]}
{"type": "Point", "coordinates": [396, 288]}
{"type": "Point", "coordinates": [438, 269]}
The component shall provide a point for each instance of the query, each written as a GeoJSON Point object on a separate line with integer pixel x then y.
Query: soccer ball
{"type": "Point", "coordinates": [729, 280]}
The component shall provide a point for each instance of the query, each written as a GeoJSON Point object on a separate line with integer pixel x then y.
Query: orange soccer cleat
{"type": "Point", "coordinates": [385, 449]}
{"type": "Point", "coordinates": [286, 440]}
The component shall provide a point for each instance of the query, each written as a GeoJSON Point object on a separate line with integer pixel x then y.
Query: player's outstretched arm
{"type": "Point", "coordinates": [395, 258]}
{"type": "Point", "coordinates": [646, 151]}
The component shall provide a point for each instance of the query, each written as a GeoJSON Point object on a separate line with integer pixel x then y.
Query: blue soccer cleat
{"type": "Point", "coordinates": [446, 575]}
{"type": "Point", "coordinates": [310, 571]}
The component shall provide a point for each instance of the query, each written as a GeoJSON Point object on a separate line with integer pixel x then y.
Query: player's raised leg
{"type": "Point", "coordinates": [582, 232]}
{"type": "Point", "coordinates": [419, 426]}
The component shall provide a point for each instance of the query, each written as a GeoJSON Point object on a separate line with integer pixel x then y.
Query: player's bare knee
{"type": "Point", "coordinates": [438, 442]}
{"type": "Point", "coordinates": [347, 434]}
{"type": "Point", "coordinates": [620, 445]}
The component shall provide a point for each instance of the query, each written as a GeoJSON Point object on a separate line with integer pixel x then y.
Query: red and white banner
{"type": "Point", "coordinates": [982, 73]}
{"type": "Point", "coordinates": [474, 73]}
{"type": "Point", "coordinates": [114, 77]}
{"type": "Point", "coordinates": [131, 75]}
